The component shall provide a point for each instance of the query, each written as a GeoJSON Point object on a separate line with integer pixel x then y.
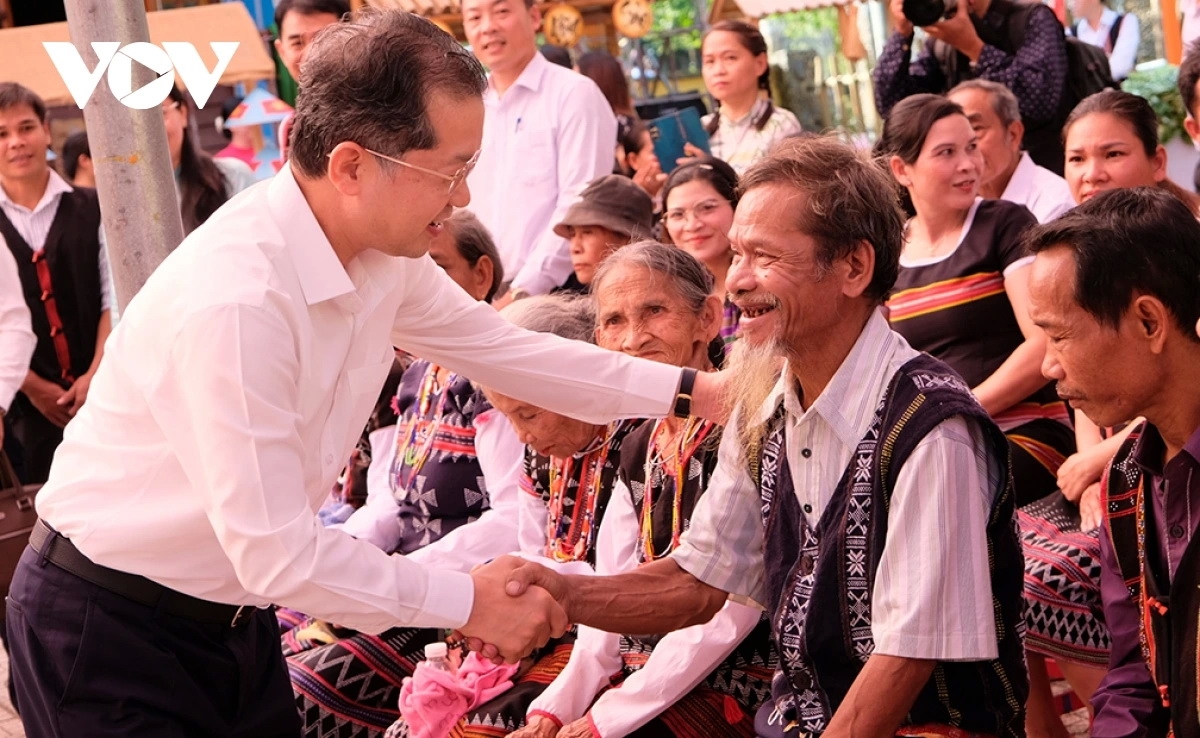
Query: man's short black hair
{"type": "Point", "coordinates": [13, 95]}
{"type": "Point", "coordinates": [1189, 75]}
{"type": "Point", "coordinates": [1130, 242]}
{"type": "Point", "coordinates": [74, 147]}
{"type": "Point", "coordinates": [308, 7]}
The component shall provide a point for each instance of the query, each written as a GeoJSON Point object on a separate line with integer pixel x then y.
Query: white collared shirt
{"type": "Point", "coordinates": [1123, 55]}
{"type": "Point", "coordinates": [238, 381]}
{"type": "Point", "coordinates": [17, 340]}
{"type": "Point", "coordinates": [1043, 192]}
{"type": "Point", "coordinates": [932, 597]}
{"type": "Point", "coordinates": [544, 140]}
{"type": "Point", "coordinates": [34, 226]}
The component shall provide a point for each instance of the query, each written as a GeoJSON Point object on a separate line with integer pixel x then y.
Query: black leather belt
{"type": "Point", "coordinates": [56, 549]}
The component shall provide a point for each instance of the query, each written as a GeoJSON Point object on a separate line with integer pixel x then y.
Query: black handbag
{"type": "Point", "coordinates": [17, 516]}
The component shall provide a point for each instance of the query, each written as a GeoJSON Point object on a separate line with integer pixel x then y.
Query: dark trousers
{"type": "Point", "coordinates": [39, 439]}
{"type": "Point", "coordinates": [89, 662]}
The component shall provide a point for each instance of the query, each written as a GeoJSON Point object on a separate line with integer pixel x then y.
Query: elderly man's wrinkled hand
{"type": "Point", "coordinates": [513, 625]}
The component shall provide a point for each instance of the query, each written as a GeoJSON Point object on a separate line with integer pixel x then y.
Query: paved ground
{"type": "Point", "coordinates": [10, 724]}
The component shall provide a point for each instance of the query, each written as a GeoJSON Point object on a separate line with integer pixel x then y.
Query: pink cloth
{"type": "Point", "coordinates": [432, 700]}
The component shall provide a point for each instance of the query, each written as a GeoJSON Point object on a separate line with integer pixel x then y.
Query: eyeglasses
{"type": "Point", "coordinates": [454, 179]}
{"type": "Point", "coordinates": [700, 210]}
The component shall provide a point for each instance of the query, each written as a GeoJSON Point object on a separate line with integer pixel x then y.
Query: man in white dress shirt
{"type": "Point", "coordinates": [183, 500]}
{"type": "Point", "coordinates": [1009, 173]}
{"type": "Point", "coordinates": [16, 336]}
{"type": "Point", "coordinates": [863, 483]}
{"type": "Point", "coordinates": [548, 133]}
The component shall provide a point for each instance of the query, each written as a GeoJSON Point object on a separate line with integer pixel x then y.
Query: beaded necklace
{"type": "Point", "coordinates": [694, 432]}
{"type": "Point", "coordinates": [414, 447]}
{"type": "Point", "coordinates": [571, 539]}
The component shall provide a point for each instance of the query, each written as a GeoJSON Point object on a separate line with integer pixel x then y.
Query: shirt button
{"type": "Point", "coordinates": [1176, 531]}
{"type": "Point", "coordinates": [328, 458]}
{"type": "Point", "coordinates": [806, 453]}
{"type": "Point", "coordinates": [808, 509]}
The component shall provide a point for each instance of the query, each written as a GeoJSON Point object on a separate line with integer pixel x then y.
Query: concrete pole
{"type": "Point", "coordinates": [134, 177]}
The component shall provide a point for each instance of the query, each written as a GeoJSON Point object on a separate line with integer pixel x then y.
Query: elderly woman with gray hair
{"type": "Point", "coordinates": [655, 302]}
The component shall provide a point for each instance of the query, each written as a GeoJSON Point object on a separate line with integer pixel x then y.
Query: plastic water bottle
{"type": "Point", "coordinates": [437, 656]}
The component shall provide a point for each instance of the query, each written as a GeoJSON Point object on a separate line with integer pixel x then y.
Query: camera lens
{"type": "Point", "coordinates": [924, 12]}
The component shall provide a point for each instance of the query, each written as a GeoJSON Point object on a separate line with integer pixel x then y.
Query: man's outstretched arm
{"type": "Point", "coordinates": [880, 697]}
{"type": "Point", "coordinates": [657, 598]}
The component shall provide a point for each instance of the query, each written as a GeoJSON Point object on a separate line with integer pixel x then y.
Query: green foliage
{"type": "Point", "coordinates": [1160, 87]}
{"type": "Point", "coordinates": [815, 29]}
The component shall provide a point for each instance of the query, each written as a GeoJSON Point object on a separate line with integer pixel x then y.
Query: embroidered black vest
{"type": "Point", "coordinates": [72, 251]}
{"type": "Point", "coordinates": [1169, 613]}
{"type": "Point", "coordinates": [830, 569]}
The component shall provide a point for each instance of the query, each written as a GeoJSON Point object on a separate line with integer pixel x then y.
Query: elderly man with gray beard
{"type": "Point", "coordinates": [860, 483]}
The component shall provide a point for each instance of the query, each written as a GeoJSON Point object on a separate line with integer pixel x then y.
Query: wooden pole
{"type": "Point", "coordinates": [1172, 31]}
{"type": "Point", "coordinates": [134, 177]}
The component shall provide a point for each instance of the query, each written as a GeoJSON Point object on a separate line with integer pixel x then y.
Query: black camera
{"type": "Point", "coordinates": [928, 12]}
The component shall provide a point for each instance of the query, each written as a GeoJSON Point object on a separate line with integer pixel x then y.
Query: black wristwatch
{"type": "Point", "coordinates": [683, 400]}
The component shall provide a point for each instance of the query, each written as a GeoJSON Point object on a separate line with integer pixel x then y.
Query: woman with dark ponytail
{"type": "Point", "coordinates": [745, 124]}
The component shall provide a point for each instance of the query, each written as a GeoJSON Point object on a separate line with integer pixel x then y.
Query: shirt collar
{"type": "Point", "coordinates": [1021, 182]}
{"type": "Point", "coordinates": [1150, 449]}
{"type": "Point", "coordinates": [55, 187]}
{"type": "Point", "coordinates": [322, 276]}
{"type": "Point", "coordinates": [859, 381]}
{"type": "Point", "coordinates": [748, 118]}
{"type": "Point", "coordinates": [1108, 18]}
{"type": "Point", "coordinates": [530, 78]}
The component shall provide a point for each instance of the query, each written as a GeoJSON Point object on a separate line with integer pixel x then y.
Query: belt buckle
{"type": "Point", "coordinates": [241, 615]}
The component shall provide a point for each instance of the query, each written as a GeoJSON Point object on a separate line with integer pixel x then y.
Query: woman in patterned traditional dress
{"type": "Point", "coordinates": [962, 296]}
{"type": "Point", "coordinates": [570, 470]}
{"type": "Point", "coordinates": [656, 302]}
{"type": "Point", "coordinates": [442, 489]}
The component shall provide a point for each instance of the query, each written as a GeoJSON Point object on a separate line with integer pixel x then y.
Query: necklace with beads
{"type": "Point", "coordinates": [570, 538]}
{"type": "Point", "coordinates": [416, 444]}
{"type": "Point", "coordinates": [686, 442]}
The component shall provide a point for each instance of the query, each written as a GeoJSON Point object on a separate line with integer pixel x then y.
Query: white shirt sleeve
{"type": "Point", "coordinates": [17, 340]}
{"type": "Point", "coordinates": [1124, 52]}
{"type": "Point", "coordinates": [723, 546]}
{"type": "Point", "coordinates": [378, 520]}
{"type": "Point", "coordinates": [226, 402]}
{"type": "Point", "coordinates": [494, 533]}
{"type": "Point", "coordinates": [679, 662]}
{"type": "Point", "coordinates": [933, 593]}
{"type": "Point", "coordinates": [442, 324]}
{"type": "Point", "coordinates": [585, 146]}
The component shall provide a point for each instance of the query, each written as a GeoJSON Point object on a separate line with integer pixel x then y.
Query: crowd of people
{"type": "Point", "coordinates": [784, 439]}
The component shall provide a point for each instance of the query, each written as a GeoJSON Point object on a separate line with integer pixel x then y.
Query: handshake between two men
{"type": "Point", "coordinates": [520, 605]}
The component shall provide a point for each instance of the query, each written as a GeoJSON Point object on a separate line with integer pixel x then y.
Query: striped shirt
{"type": "Point", "coordinates": [739, 144]}
{"type": "Point", "coordinates": [932, 598]}
{"type": "Point", "coordinates": [34, 226]}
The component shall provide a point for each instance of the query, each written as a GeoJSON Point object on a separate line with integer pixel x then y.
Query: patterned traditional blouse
{"type": "Point", "coordinates": [576, 492]}
{"type": "Point", "coordinates": [740, 144]}
{"type": "Point", "coordinates": [436, 477]}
